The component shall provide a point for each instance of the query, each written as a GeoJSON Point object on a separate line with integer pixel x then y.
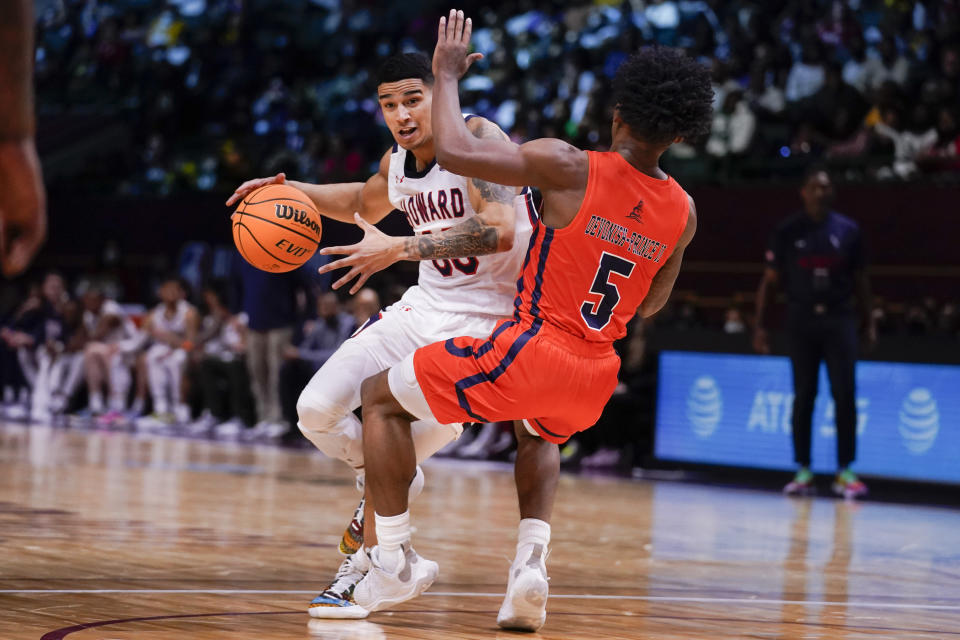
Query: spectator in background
{"type": "Point", "coordinates": [765, 99]}
{"type": "Point", "coordinates": [733, 321]}
{"type": "Point", "coordinates": [365, 306]}
{"type": "Point", "coordinates": [807, 74]}
{"type": "Point", "coordinates": [835, 97]}
{"type": "Point", "coordinates": [733, 127]}
{"type": "Point", "coordinates": [59, 364]}
{"type": "Point", "coordinates": [948, 320]}
{"type": "Point", "coordinates": [172, 330]}
{"type": "Point", "coordinates": [15, 334]}
{"type": "Point", "coordinates": [321, 337]}
{"type": "Point", "coordinates": [54, 359]}
{"type": "Point", "coordinates": [221, 371]}
{"type": "Point", "coordinates": [908, 146]}
{"type": "Point", "coordinates": [818, 257]}
{"type": "Point", "coordinates": [108, 356]}
{"type": "Point", "coordinates": [855, 69]}
{"type": "Point", "coordinates": [889, 66]}
{"type": "Point", "coordinates": [917, 320]}
{"type": "Point", "coordinates": [38, 321]}
{"type": "Point", "coordinates": [269, 301]}
{"type": "Point", "coordinates": [945, 154]}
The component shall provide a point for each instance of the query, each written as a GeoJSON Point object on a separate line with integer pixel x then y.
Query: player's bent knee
{"type": "Point", "coordinates": [313, 414]}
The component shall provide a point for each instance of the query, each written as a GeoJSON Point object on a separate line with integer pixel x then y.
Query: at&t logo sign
{"type": "Point", "coordinates": [919, 421]}
{"type": "Point", "coordinates": [704, 406]}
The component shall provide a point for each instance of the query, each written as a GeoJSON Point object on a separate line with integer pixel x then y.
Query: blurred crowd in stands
{"type": "Point", "coordinates": [212, 92]}
{"type": "Point", "coordinates": [228, 358]}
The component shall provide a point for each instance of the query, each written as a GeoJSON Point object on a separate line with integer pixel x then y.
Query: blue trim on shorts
{"type": "Point", "coordinates": [373, 318]}
{"type": "Point", "coordinates": [518, 344]}
{"type": "Point", "coordinates": [547, 431]}
{"type": "Point", "coordinates": [531, 209]}
{"type": "Point", "coordinates": [468, 352]}
{"type": "Point", "coordinates": [526, 261]}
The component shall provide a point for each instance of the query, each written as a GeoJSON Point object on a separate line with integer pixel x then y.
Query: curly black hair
{"type": "Point", "coordinates": [663, 94]}
{"type": "Point", "coordinates": [403, 66]}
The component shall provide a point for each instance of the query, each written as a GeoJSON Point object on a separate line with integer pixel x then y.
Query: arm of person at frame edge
{"type": "Point", "coordinates": [547, 163]}
{"type": "Point", "coordinates": [663, 282]}
{"type": "Point", "coordinates": [337, 201]}
{"type": "Point", "coordinates": [23, 209]}
{"type": "Point", "coordinates": [490, 231]}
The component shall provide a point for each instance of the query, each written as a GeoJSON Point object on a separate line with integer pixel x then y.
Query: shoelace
{"type": "Point", "coordinates": [347, 572]}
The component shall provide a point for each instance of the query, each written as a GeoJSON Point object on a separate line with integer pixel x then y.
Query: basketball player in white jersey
{"type": "Point", "coordinates": [108, 355]}
{"type": "Point", "coordinates": [471, 237]}
{"type": "Point", "coordinates": [171, 326]}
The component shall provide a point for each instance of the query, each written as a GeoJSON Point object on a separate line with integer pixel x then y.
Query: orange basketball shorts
{"type": "Point", "coordinates": [557, 382]}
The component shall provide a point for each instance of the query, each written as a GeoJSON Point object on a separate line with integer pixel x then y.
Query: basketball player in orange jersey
{"type": "Point", "coordinates": [470, 238]}
{"type": "Point", "coordinates": [608, 244]}
{"type": "Point", "coordinates": [23, 213]}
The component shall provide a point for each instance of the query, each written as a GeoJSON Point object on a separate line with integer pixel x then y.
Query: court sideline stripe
{"type": "Point", "coordinates": [568, 596]}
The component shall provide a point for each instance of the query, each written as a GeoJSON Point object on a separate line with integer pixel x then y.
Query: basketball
{"type": "Point", "coordinates": [276, 228]}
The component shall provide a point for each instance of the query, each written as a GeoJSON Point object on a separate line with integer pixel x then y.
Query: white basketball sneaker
{"type": "Point", "coordinates": [525, 606]}
{"type": "Point", "coordinates": [381, 589]}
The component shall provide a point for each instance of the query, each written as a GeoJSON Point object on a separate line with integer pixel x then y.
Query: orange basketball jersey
{"type": "Point", "coordinates": [589, 277]}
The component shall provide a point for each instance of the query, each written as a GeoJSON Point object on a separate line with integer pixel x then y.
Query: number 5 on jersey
{"type": "Point", "coordinates": [597, 314]}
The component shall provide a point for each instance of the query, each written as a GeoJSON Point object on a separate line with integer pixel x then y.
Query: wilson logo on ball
{"type": "Point", "coordinates": [276, 228]}
{"type": "Point", "coordinates": [300, 216]}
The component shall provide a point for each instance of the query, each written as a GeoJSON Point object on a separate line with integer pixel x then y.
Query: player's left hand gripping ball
{"type": "Point", "coordinates": [276, 228]}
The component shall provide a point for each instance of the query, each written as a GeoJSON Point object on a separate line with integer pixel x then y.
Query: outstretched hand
{"type": "Point", "coordinates": [375, 252]}
{"type": "Point", "coordinates": [250, 186]}
{"type": "Point", "coordinates": [453, 41]}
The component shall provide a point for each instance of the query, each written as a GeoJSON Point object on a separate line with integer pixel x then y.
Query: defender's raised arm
{"type": "Point", "coordinates": [544, 163]}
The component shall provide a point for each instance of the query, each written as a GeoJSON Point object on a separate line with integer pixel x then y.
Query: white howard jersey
{"type": "Point", "coordinates": [434, 200]}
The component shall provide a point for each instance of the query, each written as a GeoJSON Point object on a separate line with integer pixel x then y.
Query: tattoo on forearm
{"type": "Point", "coordinates": [489, 191]}
{"type": "Point", "coordinates": [492, 192]}
{"type": "Point", "coordinates": [486, 129]}
{"type": "Point", "coordinates": [472, 237]}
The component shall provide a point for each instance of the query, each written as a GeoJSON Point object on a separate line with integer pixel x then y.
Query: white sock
{"type": "Point", "coordinates": [532, 532]}
{"type": "Point", "coordinates": [96, 401]}
{"type": "Point", "coordinates": [392, 531]}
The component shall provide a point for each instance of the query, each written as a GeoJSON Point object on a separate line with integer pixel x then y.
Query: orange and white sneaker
{"type": "Point", "coordinates": [848, 485]}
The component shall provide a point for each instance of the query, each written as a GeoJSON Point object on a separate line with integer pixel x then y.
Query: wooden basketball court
{"type": "Point", "coordinates": [106, 535]}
